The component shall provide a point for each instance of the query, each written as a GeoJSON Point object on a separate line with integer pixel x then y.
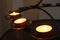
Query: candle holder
{"type": "Point", "coordinates": [21, 23]}
{"type": "Point", "coordinates": [44, 31]}
{"type": "Point", "coordinates": [47, 36]}
{"type": "Point", "coordinates": [14, 15]}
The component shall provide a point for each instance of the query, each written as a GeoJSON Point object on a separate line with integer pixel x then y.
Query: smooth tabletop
{"type": "Point", "coordinates": [26, 34]}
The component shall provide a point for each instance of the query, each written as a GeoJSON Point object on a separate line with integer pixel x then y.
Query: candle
{"type": "Point", "coordinates": [44, 30]}
{"type": "Point", "coordinates": [14, 15]}
{"type": "Point", "coordinates": [21, 22]}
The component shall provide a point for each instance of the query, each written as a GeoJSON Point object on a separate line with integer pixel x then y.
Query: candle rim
{"type": "Point", "coordinates": [43, 31]}
{"type": "Point", "coordinates": [24, 20]}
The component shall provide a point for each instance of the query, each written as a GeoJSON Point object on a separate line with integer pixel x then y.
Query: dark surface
{"type": "Point", "coordinates": [29, 31]}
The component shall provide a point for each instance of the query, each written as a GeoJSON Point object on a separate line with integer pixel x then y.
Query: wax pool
{"type": "Point", "coordinates": [44, 30]}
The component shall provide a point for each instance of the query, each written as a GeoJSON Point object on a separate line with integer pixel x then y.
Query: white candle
{"type": "Point", "coordinates": [44, 28]}
{"type": "Point", "coordinates": [21, 22]}
{"type": "Point", "coordinates": [14, 14]}
{"type": "Point", "coordinates": [44, 31]}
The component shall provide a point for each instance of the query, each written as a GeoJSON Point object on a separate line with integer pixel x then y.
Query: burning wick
{"type": "Point", "coordinates": [14, 15]}
{"type": "Point", "coordinates": [44, 31]}
{"type": "Point", "coordinates": [20, 20]}
{"type": "Point", "coordinates": [44, 28]}
{"type": "Point", "coordinates": [20, 23]}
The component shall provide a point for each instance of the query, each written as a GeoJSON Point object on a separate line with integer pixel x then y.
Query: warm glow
{"type": "Point", "coordinates": [14, 13]}
{"type": "Point", "coordinates": [44, 28]}
{"type": "Point", "coordinates": [20, 20]}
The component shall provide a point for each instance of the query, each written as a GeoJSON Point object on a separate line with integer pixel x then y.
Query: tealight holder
{"type": "Point", "coordinates": [44, 36]}
{"type": "Point", "coordinates": [44, 31]}
{"type": "Point", "coordinates": [21, 23]}
{"type": "Point", "coordinates": [14, 15]}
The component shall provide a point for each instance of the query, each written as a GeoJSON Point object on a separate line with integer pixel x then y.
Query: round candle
{"type": "Point", "coordinates": [44, 30]}
{"type": "Point", "coordinates": [20, 22]}
{"type": "Point", "coordinates": [14, 15]}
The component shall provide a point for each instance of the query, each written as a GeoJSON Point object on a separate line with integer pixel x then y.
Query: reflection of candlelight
{"type": "Point", "coordinates": [21, 22]}
{"type": "Point", "coordinates": [44, 30]}
{"type": "Point", "coordinates": [14, 15]}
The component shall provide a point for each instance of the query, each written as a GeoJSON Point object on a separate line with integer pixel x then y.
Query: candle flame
{"type": "Point", "coordinates": [20, 20]}
{"type": "Point", "coordinates": [14, 13]}
{"type": "Point", "coordinates": [44, 28]}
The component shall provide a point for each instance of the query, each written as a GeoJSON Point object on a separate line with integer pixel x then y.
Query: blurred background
{"type": "Point", "coordinates": [33, 14]}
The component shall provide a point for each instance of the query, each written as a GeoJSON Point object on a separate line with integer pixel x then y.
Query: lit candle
{"type": "Point", "coordinates": [44, 30]}
{"type": "Point", "coordinates": [14, 15]}
{"type": "Point", "coordinates": [21, 22]}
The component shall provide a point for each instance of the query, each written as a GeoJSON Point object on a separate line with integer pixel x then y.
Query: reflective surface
{"type": "Point", "coordinates": [29, 32]}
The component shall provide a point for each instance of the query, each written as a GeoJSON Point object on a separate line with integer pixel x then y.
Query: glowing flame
{"type": "Point", "coordinates": [14, 13]}
{"type": "Point", "coordinates": [44, 28]}
{"type": "Point", "coordinates": [20, 20]}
